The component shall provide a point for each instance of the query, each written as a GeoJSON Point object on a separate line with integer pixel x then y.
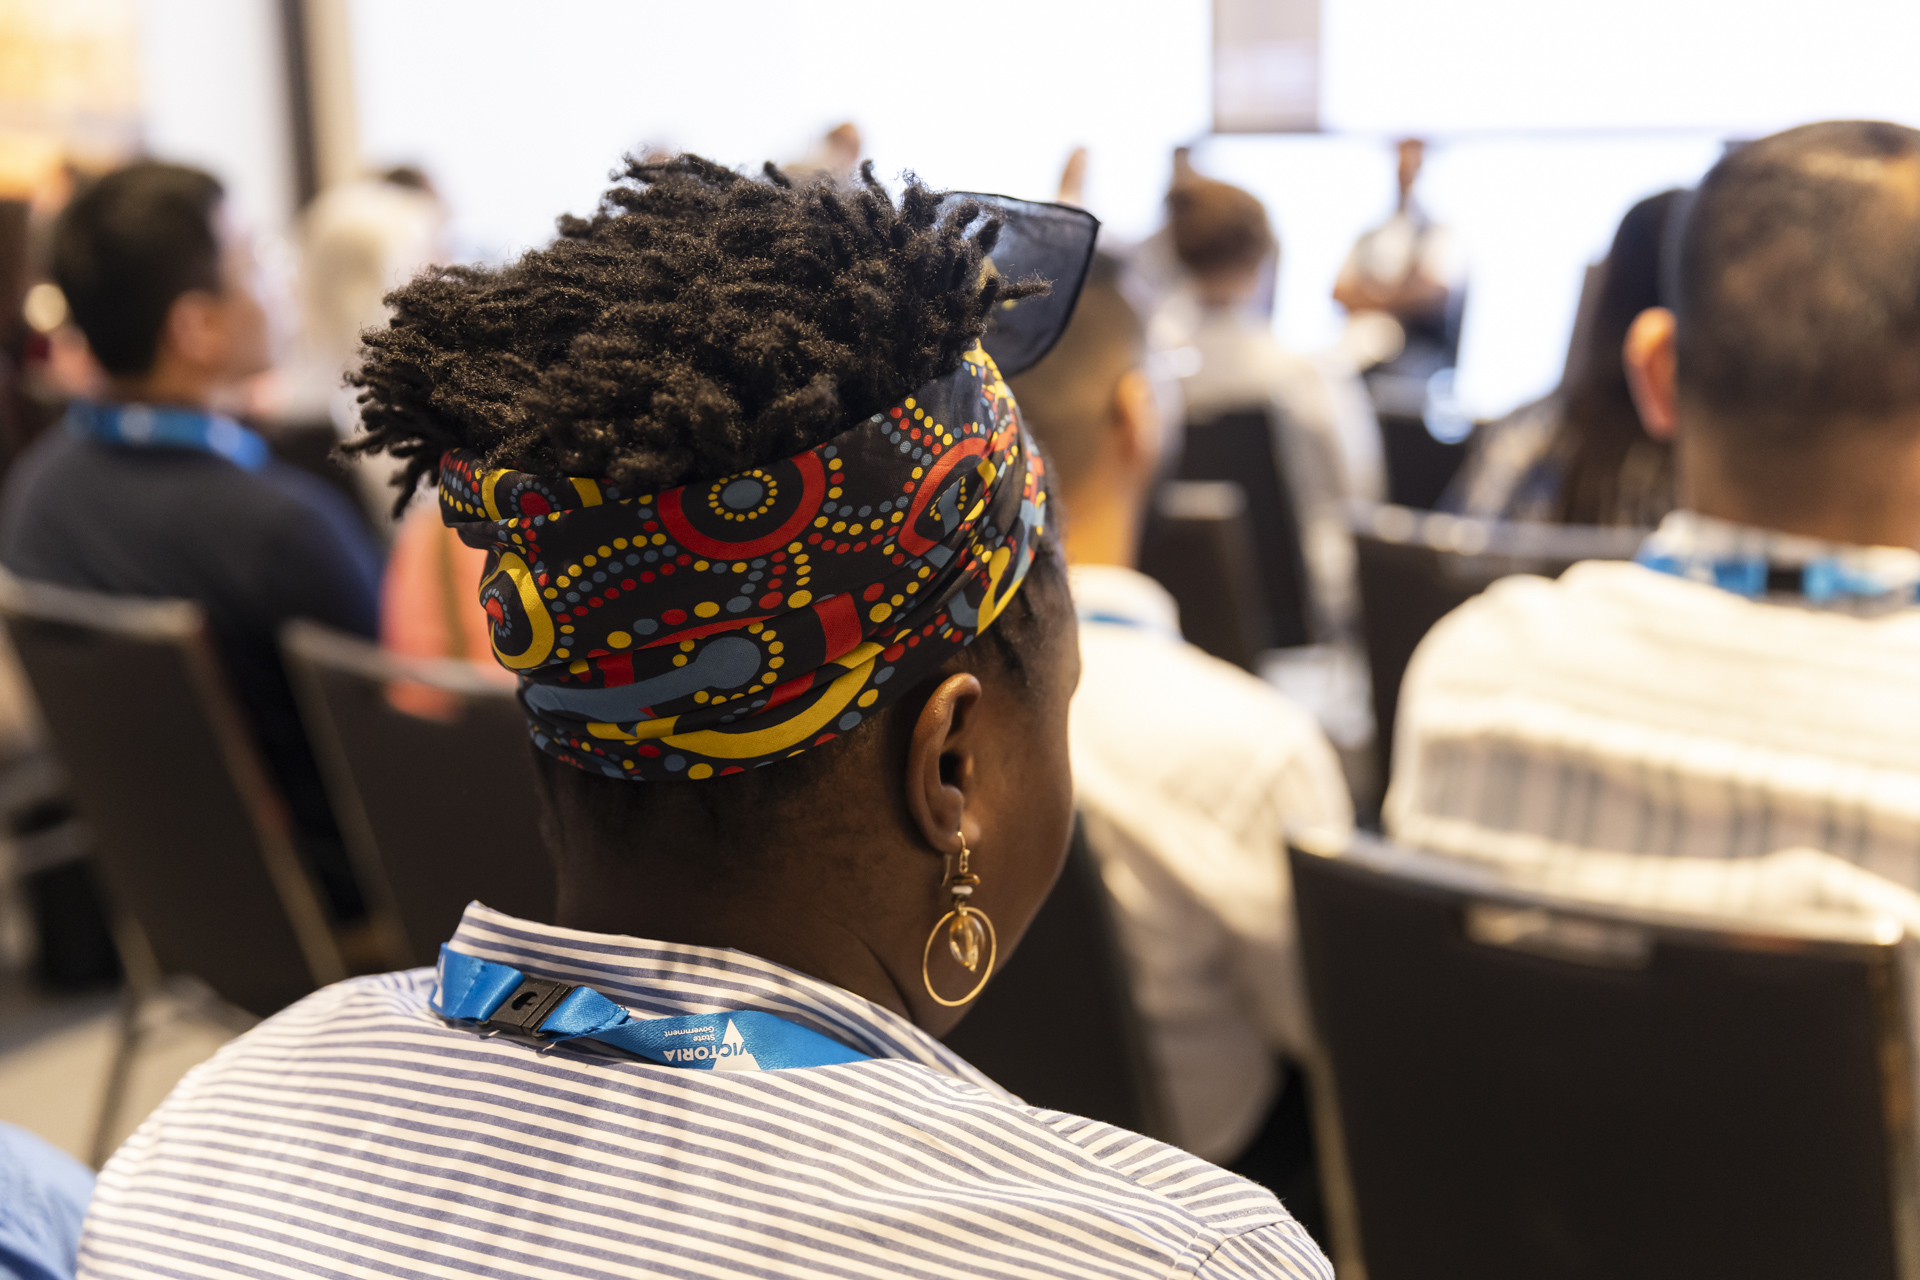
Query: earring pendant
{"type": "Point", "coordinates": [971, 939]}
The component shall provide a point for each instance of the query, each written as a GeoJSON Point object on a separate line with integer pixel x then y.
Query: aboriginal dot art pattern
{"type": "Point", "coordinates": [730, 623]}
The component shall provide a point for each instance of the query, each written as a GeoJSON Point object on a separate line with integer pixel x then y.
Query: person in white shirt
{"type": "Point", "coordinates": [1409, 268]}
{"type": "Point", "coordinates": [1225, 245]}
{"type": "Point", "coordinates": [1188, 771]}
{"type": "Point", "coordinates": [1731, 724]}
{"type": "Point", "coordinates": [1326, 436]}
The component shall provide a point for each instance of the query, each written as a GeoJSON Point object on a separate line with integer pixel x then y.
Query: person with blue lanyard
{"type": "Point", "coordinates": [1189, 774]}
{"type": "Point", "coordinates": [154, 491]}
{"type": "Point", "coordinates": [777, 567]}
{"type": "Point", "coordinates": [1730, 723]}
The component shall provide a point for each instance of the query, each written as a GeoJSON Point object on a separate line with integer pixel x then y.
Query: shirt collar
{"type": "Point", "coordinates": [1111, 595]}
{"type": "Point", "coordinates": [1754, 561]}
{"type": "Point", "coordinates": [668, 979]}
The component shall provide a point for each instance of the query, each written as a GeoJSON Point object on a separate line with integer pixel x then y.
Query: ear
{"type": "Point", "coordinates": [1652, 368]}
{"type": "Point", "coordinates": [1138, 431]}
{"type": "Point", "coordinates": [941, 767]}
{"type": "Point", "coordinates": [195, 333]}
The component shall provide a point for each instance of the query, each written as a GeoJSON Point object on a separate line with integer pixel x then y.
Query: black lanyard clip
{"type": "Point", "coordinates": [521, 1013]}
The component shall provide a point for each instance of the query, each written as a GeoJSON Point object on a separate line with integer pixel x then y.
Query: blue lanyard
{"type": "Point", "coordinates": [1122, 620]}
{"type": "Point", "coordinates": [500, 998]}
{"type": "Point", "coordinates": [140, 426]}
{"type": "Point", "coordinates": [1817, 581]}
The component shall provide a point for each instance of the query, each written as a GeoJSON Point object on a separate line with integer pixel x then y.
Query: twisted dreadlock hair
{"type": "Point", "coordinates": [699, 323]}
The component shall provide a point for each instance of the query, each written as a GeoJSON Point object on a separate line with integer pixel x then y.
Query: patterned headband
{"type": "Point", "coordinates": [732, 622]}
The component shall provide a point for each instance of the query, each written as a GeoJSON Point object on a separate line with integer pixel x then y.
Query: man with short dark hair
{"type": "Point", "coordinates": [153, 492]}
{"type": "Point", "coordinates": [1730, 723]}
{"type": "Point", "coordinates": [1188, 772]}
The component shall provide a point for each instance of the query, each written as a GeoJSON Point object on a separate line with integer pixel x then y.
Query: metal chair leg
{"type": "Point", "coordinates": [144, 982]}
{"type": "Point", "coordinates": [113, 1098]}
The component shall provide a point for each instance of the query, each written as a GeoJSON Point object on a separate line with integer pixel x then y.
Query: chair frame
{"type": "Point", "coordinates": [308, 645]}
{"type": "Point", "coordinates": [183, 623]}
{"type": "Point", "coordinates": [1471, 555]}
{"type": "Point", "coordinates": [1882, 945]}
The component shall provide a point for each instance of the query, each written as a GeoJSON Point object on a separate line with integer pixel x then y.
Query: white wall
{"type": "Point", "coordinates": [215, 97]}
{"type": "Point", "coordinates": [520, 115]}
{"type": "Point", "coordinates": [1532, 212]}
{"type": "Point", "coordinates": [1549, 119]}
{"type": "Point", "coordinates": [1736, 66]}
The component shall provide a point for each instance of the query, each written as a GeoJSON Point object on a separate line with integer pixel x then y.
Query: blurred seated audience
{"type": "Point", "coordinates": [43, 1200]}
{"type": "Point", "coordinates": [1188, 770]}
{"type": "Point", "coordinates": [782, 826]}
{"type": "Point", "coordinates": [1580, 454]}
{"type": "Point", "coordinates": [1669, 731]}
{"type": "Point", "coordinates": [1327, 438]}
{"type": "Point", "coordinates": [1222, 238]}
{"type": "Point", "coordinates": [154, 492]}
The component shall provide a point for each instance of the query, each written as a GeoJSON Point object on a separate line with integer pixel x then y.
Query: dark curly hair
{"type": "Point", "coordinates": [701, 322]}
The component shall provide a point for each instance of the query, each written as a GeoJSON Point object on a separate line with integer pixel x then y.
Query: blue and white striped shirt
{"type": "Point", "coordinates": [358, 1134]}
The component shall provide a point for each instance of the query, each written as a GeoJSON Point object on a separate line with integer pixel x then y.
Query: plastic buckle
{"type": "Point", "coordinates": [521, 1013]}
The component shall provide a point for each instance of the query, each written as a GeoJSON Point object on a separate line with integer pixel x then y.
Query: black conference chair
{"type": "Point", "coordinates": [1415, 567]}
{"type": "Point", "coordinates": [188, 832]}
{"type": "Point", "coordinates": [1419, 466]}
{"type": "Point", "coordinates": [1243, 447]}
{"type": "Point", "coordinates": [1198, 544]}
{"type": "Point", "coordinates": [1058, 1025]}
{"type": "Point", "coordinates": [1524, 1088]}
{"type": "Point", "coordinates": [426, 763]}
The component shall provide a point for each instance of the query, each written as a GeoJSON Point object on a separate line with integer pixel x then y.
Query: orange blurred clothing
{"type": "Point", "coordinates": [431, 606]}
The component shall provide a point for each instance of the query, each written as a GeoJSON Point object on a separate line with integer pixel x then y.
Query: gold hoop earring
{"type": "Point", "coordinates": [968, 929]}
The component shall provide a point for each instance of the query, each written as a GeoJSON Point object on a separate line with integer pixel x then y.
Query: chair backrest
{"type": "Point", "coordinates": [1243, 447]}
{"type": "Point", "coordinates": [190, 835]}
{"type": "Point", "coordinates": [1525, 1088]}
{"type": "Point", "coordinates": [427, 765]}
{"type": "Point", "coordinates": [1058, 1026]}
{"type": "Point", "coordinates": [1198, 544]}
{"type": "Point", "coordinates": [1415, 567]}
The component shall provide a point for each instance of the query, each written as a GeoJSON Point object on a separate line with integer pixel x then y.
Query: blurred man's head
{"type": "Point", "coordinates": [160, 284]}
{"type": "Point", "coordinates": [1413, 154]}
{"type": "Point", "coordinates": [1221, 235]}
{"type": "Point", "coordinates": [1788, 368]}
{"type": "Point", "coordinates": [1092, 408]}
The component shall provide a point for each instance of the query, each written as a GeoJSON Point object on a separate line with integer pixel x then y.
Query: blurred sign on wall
{"type": "Point", "coordinates": [69, 87]}
{"type": "Point", "coordinates": [1266, 66]}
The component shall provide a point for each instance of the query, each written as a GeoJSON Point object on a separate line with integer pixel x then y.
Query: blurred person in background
{"type": "Point", "coordinates": [1326, 436]}
{"type": "Point", "coordinates": [152, 491]}
{"type": "Point", "coordinates": [358, 242]}
{"type": "Point", "coordinates": [1223, 241]}
{"type": "Point", "coordinates": [805, 776]}
{"type": "Point", "coordinates": [1408, 268]}
{"type": "Point", "coordinates": [1731, 724]}
{"type": "Point", "coordinates": [1581, 455]}
{"type": "Point", "coordinates": [1188, 772]}
{"type": "Point", "coordinates": [836, 155]}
